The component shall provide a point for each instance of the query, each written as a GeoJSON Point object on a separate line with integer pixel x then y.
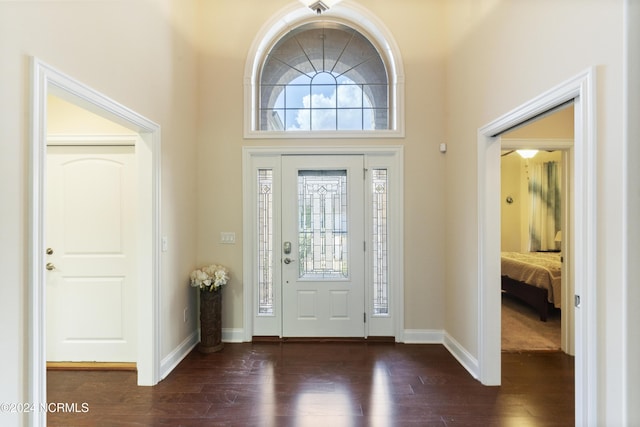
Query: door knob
{"type": "Point", "coordinates": [288, 260]}
{"type": "Point", "coordinates": [50, 266]}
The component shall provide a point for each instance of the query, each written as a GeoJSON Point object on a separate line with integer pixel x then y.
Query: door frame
{"type": "Point", "coordinates": [375, 156]}
{"type": "Point", "coordinates": [47, 80]}
{"type": "Point", "coordinates": [565, 146]}
{"type": "Point", "coordinates": [581, 89]}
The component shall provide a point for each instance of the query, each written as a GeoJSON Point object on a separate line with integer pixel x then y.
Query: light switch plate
{"type": "Point", "coordinates": [228, 237]}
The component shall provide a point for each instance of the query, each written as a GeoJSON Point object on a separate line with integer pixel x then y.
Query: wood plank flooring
{"type": "Point", "coordinates": [323, 384]}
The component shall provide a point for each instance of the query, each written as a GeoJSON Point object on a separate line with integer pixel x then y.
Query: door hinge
{"type": "Point", "coordinates": [364, 245]}
{"type": "Point", "coordinates": [364, 317]}
{"type": "Point", "coordinates": [576, 301]}
{"type": "Point", "coordinates": [364, 173]}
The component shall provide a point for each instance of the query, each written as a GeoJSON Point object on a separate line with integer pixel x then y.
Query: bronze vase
{"type": "Point", "coordinates": [210, 321]}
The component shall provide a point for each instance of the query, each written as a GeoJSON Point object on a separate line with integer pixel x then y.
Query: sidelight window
{"type": "Point", "coordinates": [380, 240]}
{"type": "Point", "coordinates": [265, 242]}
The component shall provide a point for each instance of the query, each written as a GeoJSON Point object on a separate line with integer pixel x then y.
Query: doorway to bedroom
{"type": "Point", "coordinates": [536, 262]}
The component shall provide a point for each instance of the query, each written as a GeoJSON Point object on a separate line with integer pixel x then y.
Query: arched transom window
{"type": "Point", "coordinates": [323, 76]}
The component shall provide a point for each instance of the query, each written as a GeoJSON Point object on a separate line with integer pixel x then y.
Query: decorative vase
{"type": "Point", "coordinates": [210, 321]}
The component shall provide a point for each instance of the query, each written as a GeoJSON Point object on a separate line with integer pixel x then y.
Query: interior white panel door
{"type": "Point", "coordinates": [91, 254]}
{"type": "Point", "coordinates": [323, 291]}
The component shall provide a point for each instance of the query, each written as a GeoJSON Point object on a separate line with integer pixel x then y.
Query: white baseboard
{"type": "Point", "coordinates": [232, 334]}
{"type": "Point", "coordinates": [465, 358]}
{"type": "Point", "coordinates": [172, 360]}
{"type": "Point", "coordinates": [423, 336]}
{"type": "Point", "coordinates": [437, 336]}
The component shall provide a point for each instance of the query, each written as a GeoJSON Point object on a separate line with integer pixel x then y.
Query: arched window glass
{"type": "Point", "coordinates": [322, 77]}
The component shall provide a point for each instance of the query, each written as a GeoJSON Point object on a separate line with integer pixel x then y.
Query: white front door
{"type": "Point", "coordinates": [91, 280]}
{"type": "Point", "coordinates": [323, 292]}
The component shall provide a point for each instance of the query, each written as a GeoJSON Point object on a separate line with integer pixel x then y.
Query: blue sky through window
{"type": "Point", "coordinates": [324, 101]}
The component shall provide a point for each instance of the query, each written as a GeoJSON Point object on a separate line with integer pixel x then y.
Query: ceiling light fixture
{"type": "Point", "coordinates": [527, 154]}
{"type": "Point", "coordinates": [318, 7]}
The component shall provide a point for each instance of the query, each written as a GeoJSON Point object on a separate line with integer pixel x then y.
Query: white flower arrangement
{"type": "Point", "coordinates": [210, 277]}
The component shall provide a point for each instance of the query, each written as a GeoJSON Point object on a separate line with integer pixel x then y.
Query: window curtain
{"type": "Point", "coordinates": [545, 215]}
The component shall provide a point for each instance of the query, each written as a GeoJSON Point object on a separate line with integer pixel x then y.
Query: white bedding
{"type": "Point", "coordinates": [541, 269]}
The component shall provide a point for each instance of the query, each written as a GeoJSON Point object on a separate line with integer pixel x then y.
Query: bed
{"type": "Point", "coordinates": [534, 278]}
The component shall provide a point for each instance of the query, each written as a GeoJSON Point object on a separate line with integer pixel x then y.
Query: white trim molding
{"type": "Point", "coordinates": [94, 140]}
{"type": "Point", "coordinates": [537, 143]}
{"type": "Point", "coordinates": [47, 80]}
{"type": "Point", "coordinates": [441, 337]}
{"type": "Point", "coordinates": [631, 96]}
{"type": "Point", "coordinates": [176, 356]}
{"type": "Point", "coordinates": [423, 336]}
{"type": "Point", "coordinates": [173, 359]}
{"type": "Point", "coordinates": [233, 335]}
{"type": "Point", "coordinates": [581, 91]}
{"type": "Point", "coordinates": [391, 157]}
{"type": "Point", "coordinates": [346, 12]}
{"type": "Point", "coordinates": [461, 354]}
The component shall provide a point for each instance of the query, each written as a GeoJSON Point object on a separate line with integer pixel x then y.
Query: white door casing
{"type": "Point", "coordinates": [91, 255]}
{"type": "Point", "coordinates": [257, 159]}
{"type": "Point", "coordinates": [47, 80]}
{"type": "Point", "coordinates": [580, 89]}
{"type": "Point", "coordinates": [323, 230]}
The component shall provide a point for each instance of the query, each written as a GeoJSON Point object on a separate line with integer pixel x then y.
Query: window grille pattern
{"type": "Point", "coordinates": [322, 224]}
{"type": "Point", "coordinates": [265, 242]}
{"type": "Point", "coordinates": [323, 76]}
{"type": "Point", "coordinates": [380, 236]}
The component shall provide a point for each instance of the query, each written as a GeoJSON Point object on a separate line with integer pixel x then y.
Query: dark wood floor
{"type": "Point", "coordinates": [323, 384]}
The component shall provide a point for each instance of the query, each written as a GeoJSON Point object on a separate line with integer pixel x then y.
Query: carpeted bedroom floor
{"type": "Point", "coordinates": [522, 329]}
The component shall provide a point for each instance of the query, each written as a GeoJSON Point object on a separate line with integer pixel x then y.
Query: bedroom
{"type": "Point", "coordinates": [533, 318]}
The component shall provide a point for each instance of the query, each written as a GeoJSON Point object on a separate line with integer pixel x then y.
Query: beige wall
{"type": "Point", "coordinates": [65, 118]}
{"type": "Point", "coordinates": [228, 30]}
{"type": "Point", "coordinates": [139, 53]}
{"type": "Point", "coordinates": [558, 125]}
{"type": "Point", "coordinates": [511, 213]}
{"type": "Point", "coordinates": [504, 53]}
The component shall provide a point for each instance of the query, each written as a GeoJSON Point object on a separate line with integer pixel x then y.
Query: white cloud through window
{"type": "Point", "coordinates": [344, 108]}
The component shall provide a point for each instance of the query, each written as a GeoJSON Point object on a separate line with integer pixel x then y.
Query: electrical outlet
{"type": "Point", "coordinates": [186, 314]}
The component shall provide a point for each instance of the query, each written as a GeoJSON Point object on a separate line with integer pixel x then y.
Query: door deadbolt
{"type": "Point", "coordinates": [49, 251]}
